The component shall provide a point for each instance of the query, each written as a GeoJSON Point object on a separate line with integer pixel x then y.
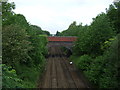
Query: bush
{"type": "Point", "coordinates": [23, 56]}
{"type": "Point", "coordinates": [84, 62]}
{"type": "Point", "coordinates": [95, 70]}
{"type": "Point", "coordinates": [39, 50]}
{"type": "Point", "coordinates": [90, 40]}
{"type": "Point", "coordinates": [10, 78]}
{"type": "Point", "coordinates": [15, 45]}
{"type": "Point", "coordinates": [110, 77]}
{"type": "Point", "coordinates": [103, 71]}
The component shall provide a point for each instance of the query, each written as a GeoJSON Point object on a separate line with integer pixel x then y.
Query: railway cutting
{"type": "Point", "coordinates": [59, 73]}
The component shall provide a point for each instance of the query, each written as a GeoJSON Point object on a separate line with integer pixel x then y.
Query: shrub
{"type": "Point", "coordinates": [10, 78]}
{"type": "Point", "coordinates": [15, 45]}
{"type": "Point", "coordinates": [84, 62]}
{"type": "Point", "coordinates": [95, 70]}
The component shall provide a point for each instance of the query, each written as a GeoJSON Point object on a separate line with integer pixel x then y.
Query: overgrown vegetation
{"type": "Point", "coordinates": [24, 50]}
{"type": "Point", "coordinates": [96, 51]}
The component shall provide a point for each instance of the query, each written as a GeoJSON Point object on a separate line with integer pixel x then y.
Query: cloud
{"type": "Point", "coordinates": [53, 15]}
{"type": "Point", "coordinates": [116, 0]}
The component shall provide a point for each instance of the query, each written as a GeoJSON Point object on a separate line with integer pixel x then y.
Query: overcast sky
{"type": "Point", "coordinates": [57, 15]}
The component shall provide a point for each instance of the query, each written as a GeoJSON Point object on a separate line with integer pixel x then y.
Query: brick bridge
{"type": "Point", "coordinates": [61, 41]}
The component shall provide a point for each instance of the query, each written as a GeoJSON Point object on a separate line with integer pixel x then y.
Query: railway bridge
{"type": "Point", "coordinates": [61, 41]}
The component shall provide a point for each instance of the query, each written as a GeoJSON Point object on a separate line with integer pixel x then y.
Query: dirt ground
{"type": "Point", "coordinates": [59, 73]}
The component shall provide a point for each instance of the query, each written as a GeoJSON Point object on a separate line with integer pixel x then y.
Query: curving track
{"type": "Point", "coordinates": [60, 74]}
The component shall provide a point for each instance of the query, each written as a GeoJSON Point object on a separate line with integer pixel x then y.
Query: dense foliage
{"type": "Point", "coordinates": [92, 39]}
{"type": "Point", "coordinates": [96, 51]}
{"type": "Point", "coordinates": [73, 30]}
{"type": "Point", "coordinates": [114, 15]}
{"type": "Point", "coordinates": [24, 50]}
{"type": "Point", "coordinates": [10, 78]}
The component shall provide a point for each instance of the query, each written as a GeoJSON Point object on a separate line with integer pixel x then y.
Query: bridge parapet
{"type": "Point", "coordinates": [62, 38]}
{"type": "Point", "coordinates": [65, 41]}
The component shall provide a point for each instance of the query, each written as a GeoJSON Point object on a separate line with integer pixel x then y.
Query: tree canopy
{"type": "Point", "coordinates": [23, 48]}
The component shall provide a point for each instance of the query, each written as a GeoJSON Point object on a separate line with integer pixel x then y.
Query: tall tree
{"type": "Point", "coordinates": [57, 33]}
{"type": "Point", "coordinates": [7, 11]}
{"type": "Point", "coordinates": [114, 15]}
{"type": "Point", "coordinates": [90, 41]}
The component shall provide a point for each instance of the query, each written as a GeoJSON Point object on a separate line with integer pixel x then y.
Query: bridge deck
{"type": "Point", "coordinates": [63, 39]}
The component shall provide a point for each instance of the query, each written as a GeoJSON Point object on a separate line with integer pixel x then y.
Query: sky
{"type": "Point", "coordinates": [57, 15]}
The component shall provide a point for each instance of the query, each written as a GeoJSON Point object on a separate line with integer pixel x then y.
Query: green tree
{"type": "Point", "coordinates": [15, 45]}
{"type": "Point", "coordinates": [57, 33]}
{"type": "Point", "coordinates": [38, 42]}
{"type": "Point", "coordinates": [114, 15]}
{"type": "Point", "coordinates": [7, 11]}
{"type": "Point", "coordinates": [90, 40]}
{"type": "Point", "coordinates": [24, 49]}
{"type": "Point", "coordinates": [73, 29]}
{"type": "Point", "coordinates": [46, 32]}
{"type": "Point", "coordinates": [17, 19]}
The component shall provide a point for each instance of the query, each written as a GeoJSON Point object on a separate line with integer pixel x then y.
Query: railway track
{"type": "Point", "coordinates": [60, 74]}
